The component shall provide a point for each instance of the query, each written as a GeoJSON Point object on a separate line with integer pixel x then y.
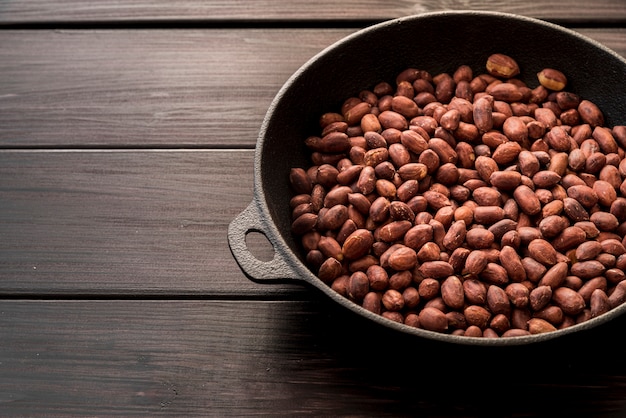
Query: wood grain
{"type": "Point", "coordinates": [282, 358]}
{"type": "Point", "coordinates": [155, 88]}
{"type": "Point", "coordinates": [214, 12]}
{"type": "Point", "coordinates": [126, 222]}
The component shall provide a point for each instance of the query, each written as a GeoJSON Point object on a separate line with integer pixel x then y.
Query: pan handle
{"type": "Point", "coordinates": [275, 270]}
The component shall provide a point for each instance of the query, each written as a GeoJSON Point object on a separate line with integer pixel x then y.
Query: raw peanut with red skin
{"type": "Point", "coordinates": [391, 119]}
{"type": "Point", "coordinates": [588, 250]}
{"type": "Point", "coordinates": [476, 262]}
{"type": "Point", "coordinates": [527, 200]}
{"type": "Point", "coordinates": [500, 65]}
{"type": "Point", "coordinates": [330, 269]}
{"type": "Point", "coordinates": [304, 223]}
{"type": "Point", "coordinates": [574, 210]}
{"type": "Point", "coordinates": [587, 269]}
{"type": "Point", "coordinates": [500, 228]}
{"type": "Point", "coordinates": [539, 297]}
{"type": "Point", "coordinates": [457, 259]}
{"type": "Point", "coordinates": [372, 302]}
{"type": "Point", "coordinates": [493, 139]}
{"type": "Point", "coordinates": [337, 196]}
{"type": "Point", "coordinates": [358, 286]}
{"type": "Point", "coordinates": [418, 235]}
{"type": "Point", "coordinates": [494, 274]}
{"type": "Point", "coordinates": [599, 303]}
{"type": "Point", "coordinates": [488, 215]}
{"type": "Point", "coordinates": [354, 114]}
{"type": "Point", "coordinates": [540, 326]}
{"type": "Point", "coordinates": [333, 218]}
{"type": "Point", "coordinates": [506, 92]}
{"type": "Point", "coordinates": [378, 277]}
{"type": "Point", "coordinates": [613, 246]}
{"type": "Point", "coordinates": [512, 263]}
{"type": "Point", "coordinates": [487, 196]}
{"type": "Point", "coordinates": [515, 129]}
{"type": "Point", "coordinates": [403, 258]}
{"type": "Point", "coordinates": [605, 191]}
{"type": "Point", "coordinates": [429, 288]}
{"type": "Point", "coordinates": [455, 236]}
{"type": "Point", "coordinates": [571, 237]}
{"type": "Point", "coordinates": [590, 286]}
{"type": "Point", "coordinates": [553, 225]}
{"type": "Point", "coordinates": [477, 315]}
{"type": "Point", "coordinates": [594, 163]}
{"type": "Point", "coordinates": [618, 296]}
{"type": "Point", "coordinates": [559, 139]}
{"type": "Point", "coordinates": [379, 209]}
{"type": "Point", "coordinates": [604, 221]}
{"type": "Point", "coordinates": [499, 323]}
{"type": "Point", "coordinates": [412, 171]}
{"type": "Point", "coordinates": [332, 143]}
{"type": "Point", "coordinates": [432, 319]}
{"type": "Point", "coordinates": [618, 209]}
{"type": "Point", "coordinates": [405, 106]}
{"type": "Point", "coordinates": [450, 120]}
{"type": "Point", "coordinates": [479, 238]}
{"type": "Point", "coordinates": [300, 181]}
{"type": "Point", "coordinates": [590, 113]}
{"type": "Point", "coordinates": [568, 300]}
{"type": "Point", "coordinates": [505, 180]}
{"type": "Point", "coordinates": [349, 174]}
{"type": "Point", "coordinates": [400, 211]}
{"type": "Point", "coordinates": [546, 179]}
{"type": "Point", "coordinates": [475, 291]}
{"type": "Point", "coordinates": [375, 156]}
{"type": "Point", "coordinates": [411, 297]}
{"type": "Point", "coordinates": [485, 167]}
{"type": "Point", "coordinates": [370, 123]}
{"type": "Point", "coordinates": [498, 301]}
{"type": "Point", "coordinates": [429, 252]}
{"type": "Point", "coordinates": [515, 332]}
{"type": "Point", "coordinates": [551, 313]}
{"type": "Point", "coordinates": [394, 231]}
{"type": "Point", "coordinates": [348, 227]}
{"type": "Point", "coordinates": [518, 294]}
{"type": "Point", "coordinates": [542, 251]}
{"type": "Point", "coordinates": [528, 233]}
{"type": "Point", "coordinates": [392, 300]}
{"type": "Point", "coordinates": [407, 190]}
{"type": "Point", "coordinates": [436, 269]}
{"type": "Point", "coordinates": [555, 276]}
{"type": "Point", "coordinates": [482, 112]}
{"type": "Point", "coordinates": [443, 150]}
{"type": "Point", "coordinates": [413, 141]}
{"type": "Point", "coordinates": [452, 292]}
{"type": "Point", "coordinates": [506, 153]}
{"type": "Point", "coordinates": [366, 182]}
{"type": "Point", "coordinates": [393, 316]}
{"type": "Point", "coordinates": [357, 244]}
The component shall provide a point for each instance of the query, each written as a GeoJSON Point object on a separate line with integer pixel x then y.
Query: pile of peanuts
{"type": "Point", "coordinates": [467, 204]}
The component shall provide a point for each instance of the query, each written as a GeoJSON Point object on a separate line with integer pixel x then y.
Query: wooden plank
{"type": "Point", "coordinates": [290, 358]}
{"type": "Point", "coordinates": [126, 222]}
{"type": "Point", "coordinates": [155, 88]}
{"type": "Point", "coordinates": [147, 88]}
{"type": "Point", "coordinates": [193, 11]}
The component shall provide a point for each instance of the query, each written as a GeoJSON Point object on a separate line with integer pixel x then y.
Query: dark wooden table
{"type": "Point", "coordinates": [127, 135]}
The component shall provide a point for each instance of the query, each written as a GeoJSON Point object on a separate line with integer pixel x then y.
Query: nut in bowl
{"type": "Point", "coordinates": [449, 183]}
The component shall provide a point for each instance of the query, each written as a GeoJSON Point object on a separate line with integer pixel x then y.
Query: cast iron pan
{"type": "Point", "coordinates": [435, 42]}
